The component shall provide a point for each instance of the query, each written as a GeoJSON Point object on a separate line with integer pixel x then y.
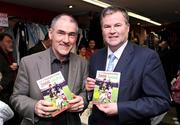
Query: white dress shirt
{"type": "Point", "coordinates": [117, 53]}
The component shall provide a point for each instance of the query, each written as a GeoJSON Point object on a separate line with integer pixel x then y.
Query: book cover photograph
{"type": "Point", "coordinates": [55, 89]}
{"type": "Point", "coordinates": [106, 87]}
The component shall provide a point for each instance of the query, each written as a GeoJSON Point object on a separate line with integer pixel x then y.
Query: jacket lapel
{"type": "Point", "coordinates": [45, 67]}
{"type": "Point", "coordinates": [44, 64]}
{"type": "Point", "coordinates": [102, 60]}
{"type": "Point", "coordinates": [72, 71]}
{"type": "Point", "coordinates": [122, 67]}
{"type": "Point", "coordinates": [125, 58]}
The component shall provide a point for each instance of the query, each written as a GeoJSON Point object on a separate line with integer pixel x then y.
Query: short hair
{"type": "Point", "coordinates": [2, 35]}
{"type": "Point", "coordinates": [56, 18]}
{"type": "Point", "coordinates": [81, 46]}
{"type": "Point", "coordinates": [113, 9]}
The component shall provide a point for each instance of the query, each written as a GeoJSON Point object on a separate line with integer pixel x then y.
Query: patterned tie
{"type": "Point", "coordinates": [110, 66]}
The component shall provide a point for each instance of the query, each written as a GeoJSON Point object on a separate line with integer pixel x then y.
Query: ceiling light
{"type": "Point", "coordinates": [143, 18]}
{"type": "Point", "coordinates": [138, 16]}
{"type": "Point", "coordinates": [153, 22]}
{"type": "Point", "coordinates": [138, 24]}
{"type": "Point", "coordinates": [105, 5]}
{"type": "Point", "coordinates": [70, 6]}
{"type": "Point", "coordinates": [98, 3]}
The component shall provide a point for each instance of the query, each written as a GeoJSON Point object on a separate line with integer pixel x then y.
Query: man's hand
{"type": "Point", "coordinates": [44, 109]}
{"type": "Point", "coordinates": [78, 104]}
{"type": "Point", "coordinates": [108, 108]}
{"type": "Point", "coordinates": [90, 84]}
{"type": "Point", "coordinates": [14, 66]}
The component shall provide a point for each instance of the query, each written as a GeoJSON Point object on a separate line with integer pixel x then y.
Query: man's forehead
{"type": "Point", "coordinates": [65, 21]}
{"type": "Point", "coordinates": [66, 26]}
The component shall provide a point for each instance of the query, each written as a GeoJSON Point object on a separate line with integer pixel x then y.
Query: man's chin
{"type": "Point", "coordinates": [64, 53]}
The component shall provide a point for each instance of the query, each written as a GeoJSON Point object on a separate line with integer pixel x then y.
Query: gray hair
{"type": "Point", "coordinates": [56, 18]}
{"type": "Point", "coordinates": [113, 9]}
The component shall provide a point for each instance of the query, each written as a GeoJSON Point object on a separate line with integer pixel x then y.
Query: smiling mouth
{"type": "Point", "coordinates": [111, 37]}
{"type": "Point", "coordinates": [63, 45]}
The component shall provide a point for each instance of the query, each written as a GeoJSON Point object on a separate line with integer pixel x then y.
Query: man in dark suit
{"type": "Point", "coordinates": [27, 98]}
{"type": "Point", "coordinates": [143, 92]}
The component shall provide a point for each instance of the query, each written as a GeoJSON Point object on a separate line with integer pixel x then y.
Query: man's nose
{"type": "Point", "coordinates": [112, 30]}
{"type": "Point", "coordinates": [66, 38]}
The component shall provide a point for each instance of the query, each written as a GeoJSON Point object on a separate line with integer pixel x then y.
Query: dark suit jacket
{"type": "Point", "coordinates": [143, 91]}
{"type": "Point", "coordinates": [26, 92]}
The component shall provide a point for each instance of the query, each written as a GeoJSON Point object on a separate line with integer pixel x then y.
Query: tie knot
{"type": "Point", "coordinates": [112, 57]}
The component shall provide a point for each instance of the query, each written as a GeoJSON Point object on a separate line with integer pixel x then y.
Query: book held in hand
{"type": "Point", "coordinates": [106, 87]}
{"type": "Point", "coordinates": [55, 90]}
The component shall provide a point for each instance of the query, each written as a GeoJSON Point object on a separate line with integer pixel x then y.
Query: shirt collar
{"type": "Point", "coordinates": [54, 58]}
{"type": "Point", "coordinates": [118, 52]}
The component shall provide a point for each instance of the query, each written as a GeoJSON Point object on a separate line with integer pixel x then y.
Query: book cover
{"type": "Point", "coordinates": [106, 87]}
{"type": "Point", "coordinates": [55, 89]}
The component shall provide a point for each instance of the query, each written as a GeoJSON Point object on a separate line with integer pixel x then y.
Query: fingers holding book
{"type": "Point", "coordinates": [108, 108]}
{"type": "Point", "coordinates": [90, 84]}
{"type": "Point", "coordinates": [44, 108]}
{"type": "Point", "coordinates": [78, 104]}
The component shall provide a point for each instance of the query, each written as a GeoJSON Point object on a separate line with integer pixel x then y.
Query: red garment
{"type": "Point", "coordinates": [89, 52]}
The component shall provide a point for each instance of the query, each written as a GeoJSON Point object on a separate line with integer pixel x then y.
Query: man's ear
{"type": "Point", "coordinates": [50, 33]}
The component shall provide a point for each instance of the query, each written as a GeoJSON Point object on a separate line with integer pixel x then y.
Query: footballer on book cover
{"type": "Point", "coordinates": [106, 87]}
{"type": "Point", "coordinates": [55, 89]}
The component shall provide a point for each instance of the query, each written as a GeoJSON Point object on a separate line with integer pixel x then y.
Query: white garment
{"type": "Point", "coordinates": [5, 112]}
{"type": "Point", "coordinates": [156, 120]}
